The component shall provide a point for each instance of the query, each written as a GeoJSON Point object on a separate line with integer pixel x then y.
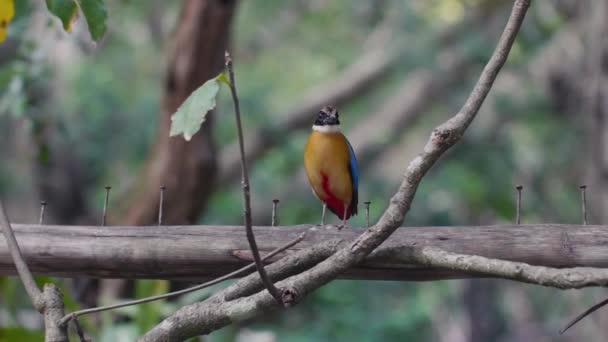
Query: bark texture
{"type": "Point", "coordinates": [187, 169]}
{"type": "Point", "coordinates": [205, 252]}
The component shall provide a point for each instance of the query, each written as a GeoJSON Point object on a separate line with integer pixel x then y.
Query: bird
{"type": "Point", "coordinates": [331, 166]}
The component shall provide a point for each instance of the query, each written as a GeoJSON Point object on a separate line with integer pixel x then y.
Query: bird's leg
{"type": "Point", "coordinates": [323, 214]}
{"type": "Point", "coordinates": [343, 217]}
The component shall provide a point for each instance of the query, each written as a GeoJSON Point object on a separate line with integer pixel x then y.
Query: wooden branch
{"type": "Point", "coordinates": [48, 302]}
{"type": "Point", "coordinates": [206, 252]}
{"type": "Point", "coordinates": [204, 317]}
{"type": "Point", "coordinates": [568, 278]}
{"type": "Point", "coordinates": [243, 270]}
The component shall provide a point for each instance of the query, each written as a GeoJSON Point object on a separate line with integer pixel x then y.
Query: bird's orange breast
{"type": "Point", "coordinates": [326, 161]}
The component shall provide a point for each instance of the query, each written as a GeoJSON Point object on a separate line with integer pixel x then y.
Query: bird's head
{"type": "Point", "coordinates": [327, 120]}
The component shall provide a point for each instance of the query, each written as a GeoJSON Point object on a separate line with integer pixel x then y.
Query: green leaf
{"type": "Point", "coordinates": [95, 13]}
{"type": "Point", "coordinates": [8, 334]}
{"type": "Point", "coordinates": [192, 113]}
{"type": "Point", "coordinates": [65, 10]}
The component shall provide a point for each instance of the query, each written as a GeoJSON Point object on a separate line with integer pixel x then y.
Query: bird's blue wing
{"type": "Point", "coordinates": [354, 176]}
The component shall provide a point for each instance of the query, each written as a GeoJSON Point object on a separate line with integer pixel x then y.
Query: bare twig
{"type": "Point", "coordinates": [24, 272]}
{"type": "Point", "coordinates": [245, 183]}
{"type": "Point", "coordinates": [75, 314]}
{"type": "Point", "coordinates": [49, 301]}
{"type": "Point", "coordinates": [201, 318]}
{"type": "Point", "coordinates": [79, 331]}
{"type": "Point", "coordinates": [583, 315]}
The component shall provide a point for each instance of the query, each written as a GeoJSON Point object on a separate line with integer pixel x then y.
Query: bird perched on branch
{"type": "Point", "coordinates": [331, 166]}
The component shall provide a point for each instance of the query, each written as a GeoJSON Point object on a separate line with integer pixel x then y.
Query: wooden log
{"type": "Point", "coordinates": [204, 252]}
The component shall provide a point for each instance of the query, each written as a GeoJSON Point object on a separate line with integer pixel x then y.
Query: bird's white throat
{"type": "Point", "coordinates": [326, 128]}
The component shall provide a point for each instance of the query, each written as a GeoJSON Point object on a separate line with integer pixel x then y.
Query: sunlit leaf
{"type": "Point", "coordinates": [95, 13]}
{"type": "Point", "coordinates": [65, 10]}
{"type": "Point", "coordinates": [9, 334]}
{"type": "Point", "coordinates": [192, 113]}
{"type": "Point", "coordinates": [149, 314]}
{"type": "Point", "coordinates": [7, 11]}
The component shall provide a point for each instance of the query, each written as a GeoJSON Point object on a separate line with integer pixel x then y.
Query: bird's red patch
{"type": "Point", "coordinates": [335, 204]}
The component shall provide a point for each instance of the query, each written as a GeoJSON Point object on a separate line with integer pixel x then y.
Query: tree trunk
{"type": "Point", "coordinates": [186, 169]}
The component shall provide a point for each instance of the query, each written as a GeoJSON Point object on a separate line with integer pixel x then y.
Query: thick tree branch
{"type": "Point", "coordinates": [201, 318]}
{"type": "Point", "coordinates": [569, 278]}
{"type": "Point", "coordinates": [74, 315]}
{"type": "Point", "coordinates": [207, 252]}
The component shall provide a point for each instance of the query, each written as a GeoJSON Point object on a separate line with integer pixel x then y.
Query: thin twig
{"type": "Point", "coordinates": [48, 302]}
{"type": "Point", "coordinates": [24, 272]}
{"type": "Point", "coordinates": [79, 331]}
{"type": "Point", "coordinates": [583, 315]}
{"type": "Point", "coordinates": [75, 314]}
{"type": "Point", "coordinates": [245, 183]}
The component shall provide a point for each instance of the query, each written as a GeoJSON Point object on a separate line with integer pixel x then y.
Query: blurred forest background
{"type": "Point", "coordinates": [76, 116]}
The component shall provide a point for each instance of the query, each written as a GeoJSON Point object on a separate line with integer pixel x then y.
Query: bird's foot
{"type": "Point", "coordinates": [343, 225]}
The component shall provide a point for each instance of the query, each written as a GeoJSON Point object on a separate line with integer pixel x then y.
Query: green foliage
{"type": "Point", "coordinates": [95, 13]}
{"type": "Point", "coordinates": [65, 10]}
{"type": "Point", "coordinates": [12, 334]}
{"type": "Point", "coordinates": [148, 314]}
{"type": "Point", "coordinates": [192, 113]}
